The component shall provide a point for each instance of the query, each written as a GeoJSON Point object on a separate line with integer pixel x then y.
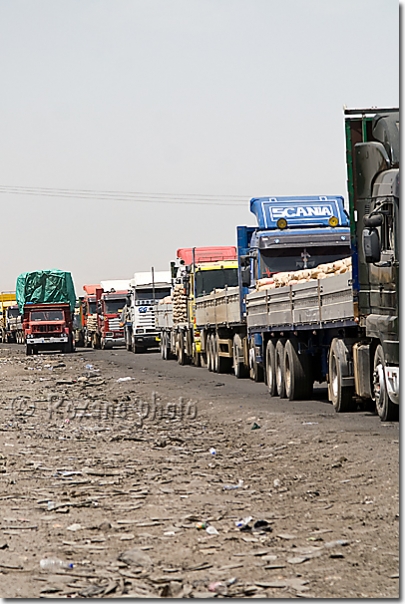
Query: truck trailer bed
{"type": "Point", "coordinates": [164, 316]}
{"type": "Point", "coordinates": [218, 308]}
{"type": "Point", "coordinates": [316, 303]}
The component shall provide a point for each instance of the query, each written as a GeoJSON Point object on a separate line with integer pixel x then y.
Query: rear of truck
{"type": "Point", "coordinates": [7, 300]}
{"type": "Point", "coordinates": [196, 272]}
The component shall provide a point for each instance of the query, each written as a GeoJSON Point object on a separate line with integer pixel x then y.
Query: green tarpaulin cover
{"type": "Point", "coordinates": [45, 287]}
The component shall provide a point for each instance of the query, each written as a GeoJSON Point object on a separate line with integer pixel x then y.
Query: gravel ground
{"type": "Point", "coordinates": [172, 484]}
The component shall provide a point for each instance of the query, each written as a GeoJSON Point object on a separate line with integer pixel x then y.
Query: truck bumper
{"type": "Point", "coordinates": [392, 381]}
{"type": "Point", "coordinates": [147, 341]}
{"type": "Point", "coordinates": [110, 342]}
{"type": "Point", "coordinates": [50, 340]}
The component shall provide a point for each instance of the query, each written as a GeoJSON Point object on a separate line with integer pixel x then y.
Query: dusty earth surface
{"type": "Point", "coordinates": [180, 483]}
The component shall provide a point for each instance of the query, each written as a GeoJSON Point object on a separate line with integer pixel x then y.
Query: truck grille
{"type": "Point", "coordinates": [114, 324]}
{"type": "Point", "coordinates": [45, 328]}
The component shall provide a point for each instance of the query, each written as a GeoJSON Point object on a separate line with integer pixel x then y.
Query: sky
{"type": "Point", "coordinates": [203, 102]}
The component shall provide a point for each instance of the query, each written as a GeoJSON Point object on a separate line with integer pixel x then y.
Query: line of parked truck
{"type": "Point", "coordinates": [307, 295]}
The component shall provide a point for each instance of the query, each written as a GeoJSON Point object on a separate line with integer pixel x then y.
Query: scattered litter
{"type": "Point", "coordinates": [54, 563]}
{"type": "Point", "coordinates": [89, 366]}
{"type": "Point", "coordinates": [218, 587]}
{"type": "Point", "coordinates": [255, 426]}
{"type": "Point", "coordinates": [124, 379]}
{"type": "Point", "coordinates": [310, 423]}
{"type": "Point", "coordinates": [243, 522]}
{"type": "Point", "coordinates": [231, 487]}
{"type": "Point", "coordinates": [211, 530]}
{"type": "Point", "coordinates": [213, 451]}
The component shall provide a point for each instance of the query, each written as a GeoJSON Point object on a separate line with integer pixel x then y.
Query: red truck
{"type": "Point", "coordinates": [48, 327]}
{"type": "Point", "coordinates": [46, 300]}
{"type": "Point", "coordinates": [111, 298]}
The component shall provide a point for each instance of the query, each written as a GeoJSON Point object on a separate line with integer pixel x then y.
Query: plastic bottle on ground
{"type": "Point", "coordinates": [54, 563]}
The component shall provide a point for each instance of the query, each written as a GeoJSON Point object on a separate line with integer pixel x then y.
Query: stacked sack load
{"type": "Point", "coordinates": [303, 276]}
{"type": "Point", "coordinates": [166, 300]}
{"type": "Point", "coordinates": [179, 304]}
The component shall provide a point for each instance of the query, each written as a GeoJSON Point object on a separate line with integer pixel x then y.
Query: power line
{"type": "Point", "coordinates": [131, 196]}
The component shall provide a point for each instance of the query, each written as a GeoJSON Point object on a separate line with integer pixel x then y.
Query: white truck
{"type": "Point", "coordinates": [138, 317]}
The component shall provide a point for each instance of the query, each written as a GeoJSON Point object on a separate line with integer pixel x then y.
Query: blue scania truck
{"type": "Point", "coordinates": [294, 235]}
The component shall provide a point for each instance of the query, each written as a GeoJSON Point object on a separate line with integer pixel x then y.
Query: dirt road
{"type": "Point", "coordinates": [159, 480]}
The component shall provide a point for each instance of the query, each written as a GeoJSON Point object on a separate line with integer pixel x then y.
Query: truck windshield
{"type": "Point", "coordinates": [207, 281]}
{"type": "Point", "coordinates": [13, 312]}
{"type": "Point", "coordinates": [92, 307]}
{"type": "Point", "coordinates": [47, 315]}
{"type": "Point", "coordinates": [147, 294]}
{"type": "Point", "coordinates": [294, 259]}
{"type": "Point", "coordinates": [115, 306]}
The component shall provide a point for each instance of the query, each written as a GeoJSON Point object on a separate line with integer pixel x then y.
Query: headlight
{"type": "Point", "coordinates": [109, 334]}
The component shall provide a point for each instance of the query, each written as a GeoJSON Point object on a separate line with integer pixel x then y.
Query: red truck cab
{"type": "Point", "coordinates": [109, 308]}
{"type": "Point", "coordinates": [48, 327]}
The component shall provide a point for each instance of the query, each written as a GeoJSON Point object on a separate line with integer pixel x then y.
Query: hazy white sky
{"type": "Point", "coordinates": [202, 97]}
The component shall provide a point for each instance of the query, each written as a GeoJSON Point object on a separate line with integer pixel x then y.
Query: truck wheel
{"type": "Point", "coordinates": [297, 373]}
{"type": "Point", "coordinates": [224, 364]}
{"type": "Point", "coordinates": [209, 353]}
{"type": "Point", "coordinates": [163, 347]}
{"type": "Point", "coordinates": [386, 409]}
{"type": "Point", "coordinates": [271, 368]}
{"type": "Point", "coordinates": [128, 342]}
{"type": "Point", "coordinates": [280, 383]}
{"type": "Point", "coordinates": [181, 358]}
{"type": "Point", "coordinates": [239, 368]}
{"type": "Point", "coordinates": [256, 372]}
{"type": "Point", "coordinates": [341, 396]}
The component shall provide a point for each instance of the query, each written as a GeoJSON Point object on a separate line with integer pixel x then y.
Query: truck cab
{"type": "Point", "coordinates": [292, 233]}
{"type": "Point", "coordinates": [373, 155]}
{"type": "Point", "coordinates": [138, 318]}
{"type": "Point", "coordinates": [109, 308]}
{"type": "Point", "coordinates": [48, 327]}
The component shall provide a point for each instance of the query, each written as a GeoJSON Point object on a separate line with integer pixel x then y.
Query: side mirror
{"type": "Point", "coordinates": [373, 220]}
{"type": "Point", "coordinates": [371, 246]}
{"type": "Point", "coordinates": [245, 275]}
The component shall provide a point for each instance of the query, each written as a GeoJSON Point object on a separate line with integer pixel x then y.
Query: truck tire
{"type": "Point", "coordinates": [163, 347]}
{"type": "Point", "coordinates": [256, 372]}
{"type": "Point", "coordinates": [271, 368]}
{"type": "Point", "coordinates": [297, 373]}
{"type": "Point", "coordinates": [181, 356]}
{"type": "Point", "coordinates": [210, 365]}
{"type": "Point", "coordinates": [386, 409]}
{"type": "Point", "coordinates": [221, 364]}
{"type": "Point", "coordinates": [280, 383]}
{"type": "Point", "coordinates": [128, 341]}
{"type": "Point", "coordinates": [239, 368]}
{"type": "Point", "coordinates": [341, 396]}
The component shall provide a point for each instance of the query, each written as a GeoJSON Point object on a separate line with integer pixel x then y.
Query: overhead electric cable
{"type": "Point", "coordinates": [133, 196]}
